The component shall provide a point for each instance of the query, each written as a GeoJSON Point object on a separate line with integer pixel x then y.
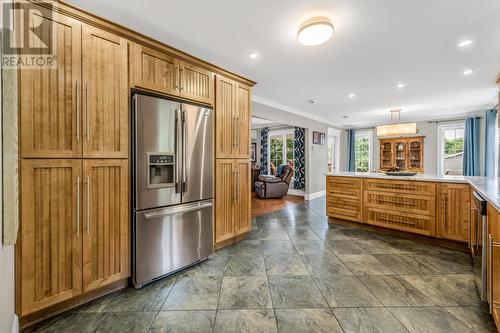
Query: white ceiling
{"type": "Point", "coordinates": [260, 122]}
{"type": "Point", "coordinates": [376, 45]}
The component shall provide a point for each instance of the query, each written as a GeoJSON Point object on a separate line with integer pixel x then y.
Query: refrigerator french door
{"type": "Point", "coordinates": [173, 186]}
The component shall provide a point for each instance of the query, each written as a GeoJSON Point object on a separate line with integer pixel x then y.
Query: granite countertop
{"type": "Point", "coordinates": [488, 187]}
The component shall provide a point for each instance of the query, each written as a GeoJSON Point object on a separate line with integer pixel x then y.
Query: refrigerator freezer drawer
{"type": "Point", "coordinates": [168, 239]}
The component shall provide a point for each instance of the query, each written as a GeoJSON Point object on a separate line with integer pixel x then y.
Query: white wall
{"type": "Point", "coordinates": [315, 154]}
{"type": "Point", "coordinates": [431, 147]}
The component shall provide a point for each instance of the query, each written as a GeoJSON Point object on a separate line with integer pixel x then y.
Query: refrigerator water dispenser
{"type": "Point", "coordinates": [161, 170]}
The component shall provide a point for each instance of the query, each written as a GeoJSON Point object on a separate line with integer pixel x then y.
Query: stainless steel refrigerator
{"type": "Point", "coordinates": [173, 160]}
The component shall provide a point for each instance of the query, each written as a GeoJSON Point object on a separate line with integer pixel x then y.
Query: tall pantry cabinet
{"type": "Point", "coordinates": [74, 230]}
{"type": "Point", "coordinates": [232, 150]}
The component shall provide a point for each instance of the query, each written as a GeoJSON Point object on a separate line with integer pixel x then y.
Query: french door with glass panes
{"type": "Point", "coordinates": [280, 150]}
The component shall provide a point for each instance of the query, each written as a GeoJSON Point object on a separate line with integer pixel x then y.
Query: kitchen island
{"type": "Point", "coordinates": [437, 206]}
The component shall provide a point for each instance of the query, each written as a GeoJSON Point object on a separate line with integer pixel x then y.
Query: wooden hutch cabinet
{"type": "Point", "coordinates": [405, 153]}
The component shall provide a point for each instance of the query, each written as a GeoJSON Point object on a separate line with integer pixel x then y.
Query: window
{"type": "Point", "coordinates": [451, 150]}
{"type": "Point", "coordinates": [280, 149]}
{"type": "Point", "coordinates": [362, 156]}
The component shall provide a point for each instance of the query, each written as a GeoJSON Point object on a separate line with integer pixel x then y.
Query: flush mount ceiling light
{"type": "Point", "coordinates": [465, 43]}
{"type": "Point", "coordinates": [352, 95]}
{"type": "Point", "coordinates": [312, 101]}
{"type": "Point", "coordinates": [253, 55]}
{"type": "Point", "coordinates": [401, 85]}
{"type": "Point", "coordinates": [315, 31]}
{"type": "Point", "coordinates": [468, 71]}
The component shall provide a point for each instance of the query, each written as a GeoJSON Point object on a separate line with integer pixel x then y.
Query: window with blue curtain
{"type": "Point", "coordinates": [471, 147]}
{"type": "Point", "coordinates": [490, 143]}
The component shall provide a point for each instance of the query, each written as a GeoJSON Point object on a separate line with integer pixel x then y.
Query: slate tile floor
{"type": "Point", "coordinates": [296, 273]}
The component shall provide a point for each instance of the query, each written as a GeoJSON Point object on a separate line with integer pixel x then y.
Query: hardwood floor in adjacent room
{"type": "Point", "coordinates": [265, 206]}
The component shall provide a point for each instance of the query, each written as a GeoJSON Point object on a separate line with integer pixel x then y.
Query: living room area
{"type": "Point", "coordinates": [280, 155]}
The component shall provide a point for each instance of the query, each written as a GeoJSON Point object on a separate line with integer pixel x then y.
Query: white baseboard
{"type": "Point", "coordinates": [15, 324]}
{"type": "Point", "coordinates": [314, 195]}
{"type": "Point", "coordinates": [296, 192]}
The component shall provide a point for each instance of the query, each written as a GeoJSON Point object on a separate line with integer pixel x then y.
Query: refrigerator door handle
{"type": "Point", "coordinates": [178, 210]}
{"type": "Point", "coordinates": [178, 166]}
{"type": "Point", "coordinates": [184, 186]}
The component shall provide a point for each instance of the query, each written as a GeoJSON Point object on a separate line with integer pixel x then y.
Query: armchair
{"type": "Point", "coordinates": [267, 187]}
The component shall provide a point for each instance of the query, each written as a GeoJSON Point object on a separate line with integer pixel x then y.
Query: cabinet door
{"type": "Point", "coordinates": [225, 196]}
{"type": "Point", "coordinates": [401, 153]}
{"type": "Point", "coordinates": [49, 252]}
{"type": "Point", "coordinates": [454, 211]}
{"type": "Point", "coordinates": [242, 127]}
{"type": "Point", "coordinates": [106, 226]}
{"type": "Point", "coordinates": [416, 154]}
{"type": "Point", "coordinates": [386, 154]}
{"type": "Point", "coordinates": [49, 98]}
{"type": "Point", "coordinates": [155, 70]}
{"type": "Point", "coordinates": [105, 94]}
{"type": "Point", "coordinates": [225, 121]}
{"type": "Point", "coordinates": [242, 207]}
{"type": "Point", "coordinates": [493, 261]}
{"type": "Point", "coordinates": [196, 83]}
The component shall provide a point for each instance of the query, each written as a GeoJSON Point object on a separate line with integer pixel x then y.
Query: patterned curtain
{"type": "Point", "coordinates": [299, 159]}
{"type": "Point", "coordinates": [471, 147]}
{"type": "Point", "coordinates": [264, 151]}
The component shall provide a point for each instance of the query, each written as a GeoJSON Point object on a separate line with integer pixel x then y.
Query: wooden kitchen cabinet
{"type": "Point", "coordinates": [162, 72]}
{"type": "Point", "coordinates": [154, 70]}
{"type": "Point", "coordinates": [243, 114]}
{"type": "Point", "coordinates": [343, 198]}
{"type": "Point", "coordinates": [49, 99]}
{"type": "Point", "coordinates": [405, 153]}
{"type": "Point", "coordinates": [75, 229]}
{"type": "Point", "coordinates": [242, 205]}
{"type": "Point", "coordinates": [106, 230]}
{"type": "Point", "coordinates": [196, 83]}
{"type": "Point", "coordinates": [232, 120]}
{"type": "Point", "coordinates": [493, 262]}
{"type": "Point", "coordinates": [232, 197]}
{"type": "Point", "coordinates": [454, 205]}
{"type": "Point", "coordinates": [49, 250]}
{"type": "Point", "coordinates": [105, 97]}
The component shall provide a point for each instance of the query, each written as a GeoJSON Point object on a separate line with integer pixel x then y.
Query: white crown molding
{"type": "Point", "coordinates": [297, 112]}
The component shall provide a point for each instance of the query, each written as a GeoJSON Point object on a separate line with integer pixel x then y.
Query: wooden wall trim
{"type": "Point", "coordinates": [134, 36]}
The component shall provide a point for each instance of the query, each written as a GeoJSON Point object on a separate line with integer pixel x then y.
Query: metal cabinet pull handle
{"type": "Point", "coordinates": [490, 271]}
{"type": "Point", "coordinates": [181, 81]}
{"type": "Point", "coordinates": [177, 77]}
{"type": "Point", "coordinates": [77, 112]}
{"type": "Point", "coordinates": [234, 185]}
{"type": "Point", "coordinates": [77, 206]}
{"type": "Point", "coordinates": [239, 184]}
{"type": "Point", "coordinates": [87, 118]}
{"type": "Point", "coordinates": [88, 205]}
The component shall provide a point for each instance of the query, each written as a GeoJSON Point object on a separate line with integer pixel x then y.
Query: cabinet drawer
{"type": "Point", "coordinates": [420, 224]}
{"type": "Point", "coordinates": [344, 214]}
{"type": "Point", "coordinates": [337, 201]}
{"type": "Point", "coordinates": [418, 204]}
{"type": "Point", "coordinates": [400, 186]}
{"type": "Point", "coordinates": [344, 182]}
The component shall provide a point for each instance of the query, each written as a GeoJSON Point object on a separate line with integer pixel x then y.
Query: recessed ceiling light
{"type": "Point", "coordinates": [352, 95]}
{"type": "Point", "coordinates": [253, 55]}
{"type": "Point", "coordinates": [315, 31]}
{"type": "Point", "coordinates": [345, 117]}
{"type": "Point", "coordinates": [312, 101]}
{"type": "Point", "coordinates": [401, 85]}
{"type": "Point", "coordinates": [468, 71]}
{"type": "Point", "coordinates": [465, 43]}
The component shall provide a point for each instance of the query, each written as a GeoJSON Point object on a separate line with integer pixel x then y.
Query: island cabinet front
{"type": "Point", "coordinates": [430, 208]}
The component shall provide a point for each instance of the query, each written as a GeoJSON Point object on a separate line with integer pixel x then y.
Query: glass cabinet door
{"type": "Point", "coordinates": [386, 155]}
{"type": "Point", "coordinates": [401, 148]}
{"type": "Point", "coordinates": [415, 155]}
